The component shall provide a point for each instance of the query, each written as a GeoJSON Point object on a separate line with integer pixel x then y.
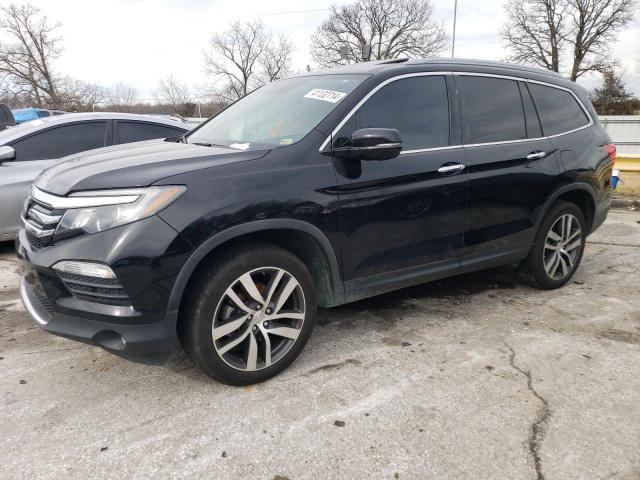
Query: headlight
{"type": "Point", "coordinates": [98, 211]}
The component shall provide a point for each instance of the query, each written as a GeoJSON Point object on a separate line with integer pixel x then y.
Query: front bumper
{"type": "Point", "coordinates": [147, 343]}
{"type": "Point", "coordinates": [145, 255]}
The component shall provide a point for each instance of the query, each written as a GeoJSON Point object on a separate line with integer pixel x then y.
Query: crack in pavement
{"type": "Point", "coordinates": [537, 427]}
{"type": "Point", "coordinates": [612, 244]}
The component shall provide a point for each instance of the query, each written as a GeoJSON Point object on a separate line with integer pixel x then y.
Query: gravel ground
{"type": "Point", "coordinates": [472, 377]}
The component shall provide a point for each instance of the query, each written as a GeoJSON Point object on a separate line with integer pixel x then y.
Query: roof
{"type": "Point", "coordinates": [74, 117]}
{"type": "Point", "coordinates": [18, 131]}
{"type": "Point", "coordinates": [482, 63]}
{"type": "Point", "coordinates": [443, 63]}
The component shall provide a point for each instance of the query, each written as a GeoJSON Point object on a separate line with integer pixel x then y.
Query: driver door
{"type": "Point", "coordinates": [402, 220]}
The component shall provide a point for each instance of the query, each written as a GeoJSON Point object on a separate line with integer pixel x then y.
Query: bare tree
{"type": "Point", "coordinates": [27, 58]}
{"type": "Point", "coordinates": [77, 96]}
{"type": "Point", "coordinates": [549, 33]}
{"type": "Point", "coordinates": [122, 96]}
{"type": "Point", "coordinates": [277, 59]}
{"type": "Point", "coordinates": [393, 28]}
{"type": "Point", "coordinates": [173, 93]}
{"type": "Point", "coordinates": [245, 57]}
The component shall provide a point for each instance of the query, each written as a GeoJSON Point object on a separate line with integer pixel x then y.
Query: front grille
{"type": "Point", "coordinates": [40, 221]}
{"type": "Point", "coordinates": [35, 242]}
{"type": "Point", "coordinates": [100, 290]}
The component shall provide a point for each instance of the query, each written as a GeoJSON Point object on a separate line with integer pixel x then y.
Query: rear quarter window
{"type": "Point", "coordinates": [559, 111]}
{"type": "Point", "coordinates": [139, 131]}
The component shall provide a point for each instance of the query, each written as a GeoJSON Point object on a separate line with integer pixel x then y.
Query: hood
{"type": "Point", "coordinates": [134, 165]}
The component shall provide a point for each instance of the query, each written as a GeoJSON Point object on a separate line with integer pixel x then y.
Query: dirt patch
{"type": "Point", "coordinates": [334, 366]}
{"type": "Point", "coordinates": [619, 336]}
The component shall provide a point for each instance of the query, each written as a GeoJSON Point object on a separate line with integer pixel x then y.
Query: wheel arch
{"type": "Point", "coordinates": [301, 238]}
{"type": "Point", "coordinates": [581, 194]}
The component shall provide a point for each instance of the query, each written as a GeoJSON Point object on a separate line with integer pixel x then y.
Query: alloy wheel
{"type": "Point", "coordinates": [562, 246]}
{"type": "Point", "coordinates": [258, 319]}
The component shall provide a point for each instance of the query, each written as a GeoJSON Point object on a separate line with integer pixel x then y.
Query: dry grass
{"type": "Point", "coordinates": [630, 187]}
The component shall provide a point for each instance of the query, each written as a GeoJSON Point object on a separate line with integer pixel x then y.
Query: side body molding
{"type": "Point", "coordinates": [337, 286]}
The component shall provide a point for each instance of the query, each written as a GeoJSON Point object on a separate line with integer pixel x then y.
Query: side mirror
{"type": "Point", "coordinates": [373, 144]}
{"type": "Point", "coordinates": [7, 153]}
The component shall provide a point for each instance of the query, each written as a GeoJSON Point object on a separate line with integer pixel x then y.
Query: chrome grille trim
{"type": "Point", "coordinates": [40, 221]}
{"type": "Point", "coordinates": [42, 218]}
{"type": "Point", "coordinates": [86, 199]}
{"type": "Point", "coordinates": [35, 229]}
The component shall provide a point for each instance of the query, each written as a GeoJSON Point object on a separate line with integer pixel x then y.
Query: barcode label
{"type": "Point", "coordinates": [325, 95]}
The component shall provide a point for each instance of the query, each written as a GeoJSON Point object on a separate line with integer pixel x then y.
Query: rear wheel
{"type": "Point", "coordinates": [249, 314]}
{"type": "Point", "coordinates": [557, 248]}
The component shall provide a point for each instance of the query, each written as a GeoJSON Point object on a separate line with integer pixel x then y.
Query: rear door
{"type": "Point", "coordinates": [512, 167]}
{"type": "Point", "coordinates": [402, 214]}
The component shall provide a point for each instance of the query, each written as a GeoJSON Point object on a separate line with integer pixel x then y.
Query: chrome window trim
{"type": "Point", "coordinates": [469, 74]}
{"type": "Point", "coordinates": [86, 200]}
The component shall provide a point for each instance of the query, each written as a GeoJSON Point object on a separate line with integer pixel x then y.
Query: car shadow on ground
{"type": "Point", "coordinates": [467, 284]}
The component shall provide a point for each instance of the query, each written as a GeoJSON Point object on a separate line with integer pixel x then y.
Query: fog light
{"type": "Point", "coordinates": [87, 269]}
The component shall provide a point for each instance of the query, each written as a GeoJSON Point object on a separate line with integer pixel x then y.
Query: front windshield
{"type": "Point", "coordinates": [280, 113]}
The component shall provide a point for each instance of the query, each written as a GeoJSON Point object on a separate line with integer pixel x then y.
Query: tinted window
{"type": "Point", "coordinates": [558, 109]}
{"type": "Point", "coordinates": [530, 114]}
{"type": "Point", "coordinates": [139, 131]}
{"type": "Point", "coordinates": [417, 107]}
{"type": "Point", "coordinates": [58, 142]}
{"type": "Point", "coordinates": [491, 110]}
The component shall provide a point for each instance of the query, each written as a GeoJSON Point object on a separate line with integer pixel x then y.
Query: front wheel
{"type": "Point", "coordinates": [249, 314]}
{"type": "Point", "coordinates": [557, 248]}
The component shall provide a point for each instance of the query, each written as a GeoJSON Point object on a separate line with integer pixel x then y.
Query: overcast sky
{"type": "Point", "coordinates": [140, 41]}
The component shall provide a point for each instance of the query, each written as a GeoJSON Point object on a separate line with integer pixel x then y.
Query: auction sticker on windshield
{"type": "Point", "coordinates": [325, 95]}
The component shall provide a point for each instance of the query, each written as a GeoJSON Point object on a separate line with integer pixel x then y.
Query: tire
{"type": "Point", "coordinates": [248, 314]}
{"type": "Point", "coordinates": [555, 256]}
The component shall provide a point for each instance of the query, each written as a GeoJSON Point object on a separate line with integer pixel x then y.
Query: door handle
{"type": "Point", "coordinates": [536, 155]}
{"type": "Point", "coordinates": [458, 167]}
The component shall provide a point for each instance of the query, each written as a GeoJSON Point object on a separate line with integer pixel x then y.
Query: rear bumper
{"type": "Point", "coordinates": [146, 343]}
{"type": "Point", "coordinates": [600, 215]}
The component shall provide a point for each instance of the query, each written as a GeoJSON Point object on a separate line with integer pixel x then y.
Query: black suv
{"type": "Point", "coordinates": [316, 190]}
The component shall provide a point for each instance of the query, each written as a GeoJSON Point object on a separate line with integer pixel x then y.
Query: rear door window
{"type": "Point", "coordinates": [57, 142]}
{"type": "Point", "coordinates": [139, 131]}
{"type": "Point", "coordinates": [418, 107]}
{"type": "Point", "coordinates": [491, 110]}
{"type": "Point", "coordinates": [558, 109]}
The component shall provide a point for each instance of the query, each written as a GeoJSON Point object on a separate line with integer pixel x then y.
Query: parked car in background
{"type": "Point", "coordinates": [6, 117]}
{"type": "Point", "coordinates": [28, 148]}
{"type": "Point", "coordinates": [320, 189]}
{"type": "Point", "coordinates": [23, 115]}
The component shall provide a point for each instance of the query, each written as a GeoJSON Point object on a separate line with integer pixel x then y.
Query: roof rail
{"type": "Point", "coordinates": [392, 60]}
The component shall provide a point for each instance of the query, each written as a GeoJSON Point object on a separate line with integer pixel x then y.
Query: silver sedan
{"type": "Point", "coordinates": [29, 148]}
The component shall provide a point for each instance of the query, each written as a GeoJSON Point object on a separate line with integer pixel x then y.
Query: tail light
{"type": "Point", "coordinates": [610, 148]}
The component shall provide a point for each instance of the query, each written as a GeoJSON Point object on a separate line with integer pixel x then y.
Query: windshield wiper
{"type": "Point", "coordinates": [204, 144]}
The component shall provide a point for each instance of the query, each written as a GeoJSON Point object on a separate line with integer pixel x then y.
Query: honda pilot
{"type": "Point", "coordinates": [311, 191]}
